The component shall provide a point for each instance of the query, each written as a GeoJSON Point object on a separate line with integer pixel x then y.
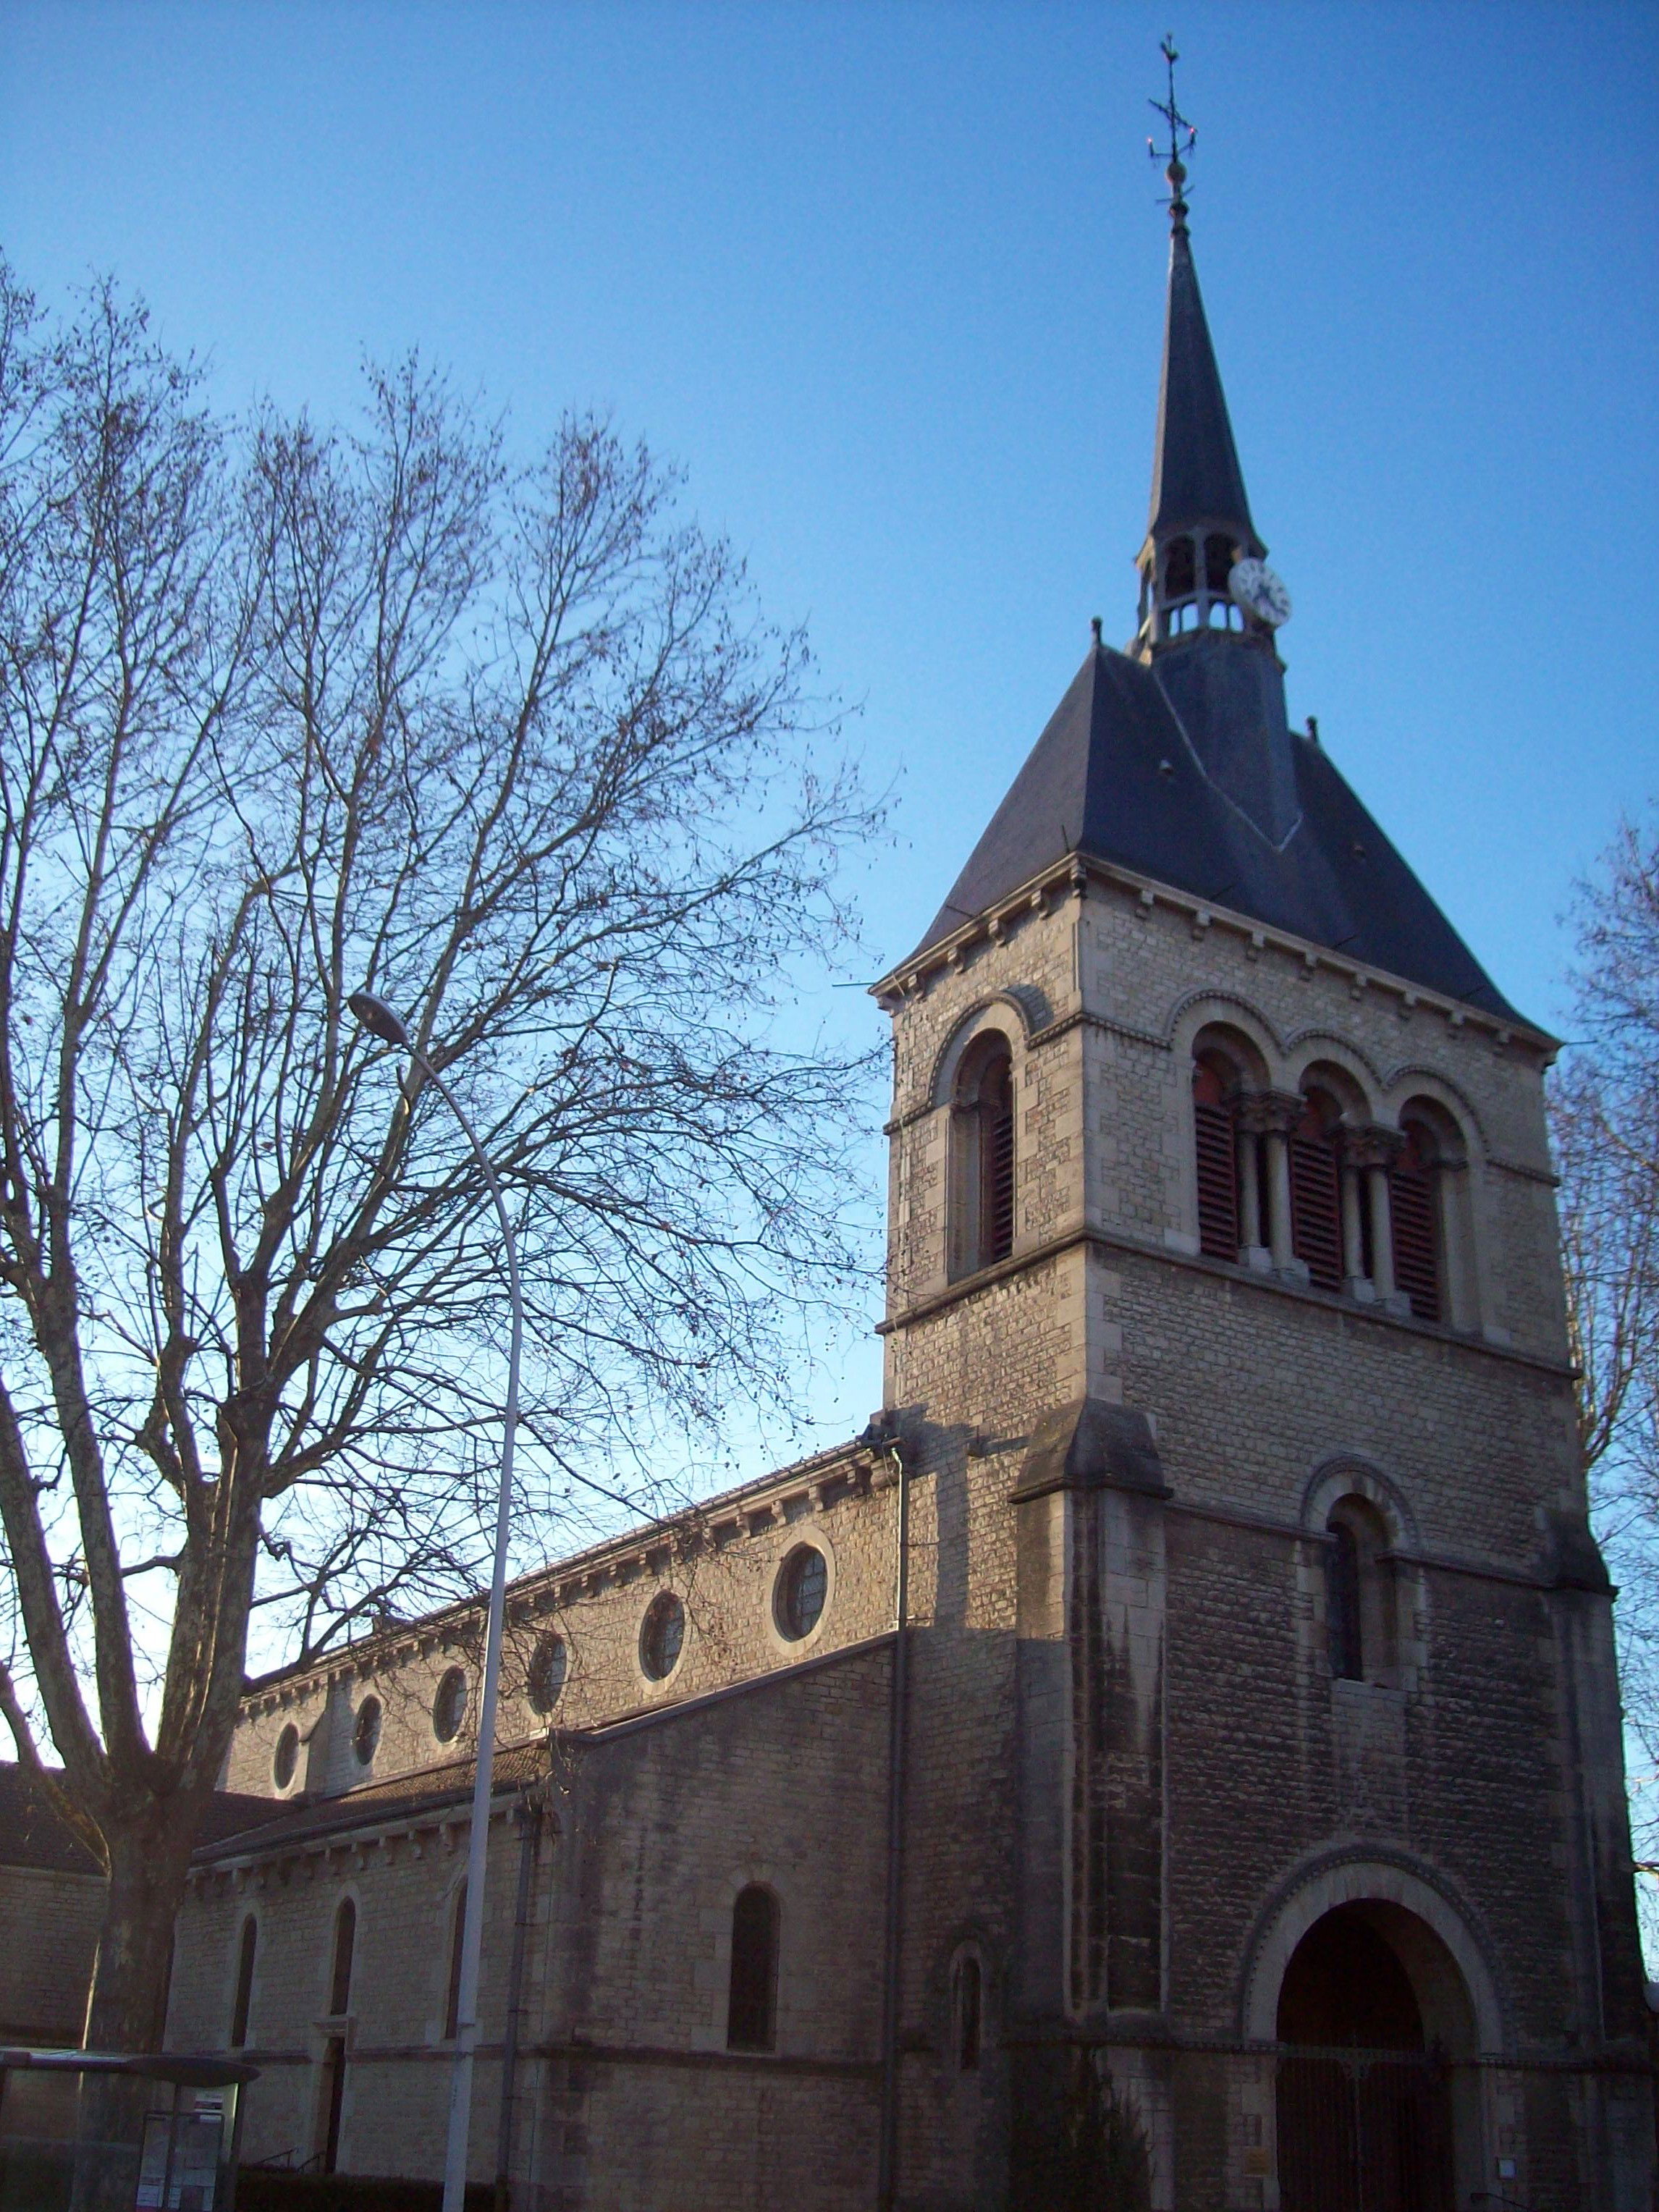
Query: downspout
{"type": "Point", "coordinates": [882, 1436]}
{"type": "Point", "coordinates": [528, 1816]}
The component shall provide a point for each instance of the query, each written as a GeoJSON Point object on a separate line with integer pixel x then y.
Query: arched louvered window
{"type": "Point", "coordinates": [984, 1171]}
{"type": "Point", "coordinates": [345, 1943]}
{"type": "Point", "coordinates": [242, 2003]}
{"type": "Point", "coordinates": [752, 2010]}
{"type": "Point", "coordinates": [1416, 1229]}
{"type": "Point", "coordinates": [1215, 1142]}
{"type": "Point", "coordinates": [1316, 1192]}
{"type": "Point", "coordinates": [1218, 565]}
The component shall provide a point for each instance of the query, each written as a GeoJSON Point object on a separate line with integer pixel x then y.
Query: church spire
{"type": "Point", "coordinates": [1200, 524]}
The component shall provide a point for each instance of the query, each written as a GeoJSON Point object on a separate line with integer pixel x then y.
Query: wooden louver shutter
{"type": "Point", "coordinates": [997, 1164]}
{"type": "Point", "coordinates": [1216, 1144]}
{"type": "Point", "coordinates": [1411, 1206]}
{"type": "Point", "coordinates": [1316, 1201]}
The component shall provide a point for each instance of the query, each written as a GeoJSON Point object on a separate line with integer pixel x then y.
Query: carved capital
{"type": "Point", "coordinates": [1265, 1113]}
{"type": "Point", "coordinates": [1373, 1145]}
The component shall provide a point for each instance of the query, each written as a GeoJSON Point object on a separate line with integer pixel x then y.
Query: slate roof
{"type": "Point", "coordinates": [1114, 776]}
{"type": "Point", "coordinates": [292, 1819]}
{"type": "Point", "coordinates": [1196, 477]}
{"type": "Point", "coordinates": [32, 1835]}
{"type": "Point", "coordinates": [31, 1832]}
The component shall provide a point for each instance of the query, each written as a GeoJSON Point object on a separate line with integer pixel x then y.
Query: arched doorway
{"type": "Point", "coordinates": [1370, 2013]}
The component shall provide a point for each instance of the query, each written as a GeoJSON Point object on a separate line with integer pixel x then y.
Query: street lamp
{"type": "Point", "coordinates": [381, 1021]}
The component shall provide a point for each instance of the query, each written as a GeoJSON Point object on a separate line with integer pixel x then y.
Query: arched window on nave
{"type": "Point", "coordinates": [242, 2002]}
{"type": "Point", "coordinates": [752, 2004]}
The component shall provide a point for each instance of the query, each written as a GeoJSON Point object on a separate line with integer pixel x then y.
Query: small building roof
{"type": "Point", "coordinates": [34, 1833]}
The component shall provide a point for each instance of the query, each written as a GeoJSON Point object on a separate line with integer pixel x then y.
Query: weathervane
{"type": "Point", "coordinates": [1181, 137]}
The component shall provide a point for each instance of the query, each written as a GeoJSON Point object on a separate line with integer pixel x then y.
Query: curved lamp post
{"type": "Point", "coordinates": [381, 1021]}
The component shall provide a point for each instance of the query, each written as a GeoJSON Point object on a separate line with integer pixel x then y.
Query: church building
{"type": "Point", "coordinates": [1171, 1759]}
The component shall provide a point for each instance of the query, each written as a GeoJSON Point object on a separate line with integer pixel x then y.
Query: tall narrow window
{"type": "Point", "coordinates": [333, 2101]}
{"type": "Point", "coordinates": [752, 2010]}
{"type": "Point", "coordinates": [1216, 1143]}
{"type": "Point", "coordinates": [969, 2007]}
{"type": "Point", "coordinates": [984, 1167]}
{"type": "Point", "coordinates": [241, 2004]}
{"type": "Point", "coordinates": [1218, 565]}
{"type": "Point", "coordinates": [345, 1942]}
{"type": "Point", "coordinates": [1360, 1602]}
{"type": "Point", "coordinates": [1316, 1193]}
{"type": "Point", "coordinates": [456, 1938]}
{"type": "Point", "coordinates": [1416, 1232]}
{"type": "Point", "coordinates": [1342, 1604]}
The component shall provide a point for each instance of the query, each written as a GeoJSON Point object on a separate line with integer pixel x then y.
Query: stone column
{"type": "Point", "coordinates": [1273, 1115]}
{"type": "Point", "coordinates": [1374, 1150]}
{"type": "Point", "coordinates": [1252, 1244]}
{"type": "Point", "coordinates": [1355, 1281]}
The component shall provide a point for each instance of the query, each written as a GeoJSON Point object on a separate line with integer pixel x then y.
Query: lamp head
{"type": "Point", "coordinates": [379, 1018]}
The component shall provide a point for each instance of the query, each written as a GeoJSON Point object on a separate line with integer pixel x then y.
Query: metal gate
{"type": "Point", "coordinates": [1364, 2131]}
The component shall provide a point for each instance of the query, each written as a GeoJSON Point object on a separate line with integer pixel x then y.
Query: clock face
{"type": "Point", "coordinates": [1260, 592]}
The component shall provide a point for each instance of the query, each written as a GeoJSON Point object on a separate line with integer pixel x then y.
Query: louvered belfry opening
{"type": "Point", "coordinates": [1215, 1137]}
{"type": "Point", "coordinates": [1416, 1236]}
{"type": "Point", "coordinates": [1316, 1192]}
{"type": "Point", "coordinates": [984, 1175]}
{"type": "Point", "coordinates": [997, 1158]}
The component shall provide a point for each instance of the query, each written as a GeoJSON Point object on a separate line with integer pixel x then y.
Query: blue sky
{"type": "Point", "coordinates": [888, 281]}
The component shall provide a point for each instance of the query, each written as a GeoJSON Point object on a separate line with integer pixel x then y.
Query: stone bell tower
{"type": "Point", "coordinates": [1264, 1750]}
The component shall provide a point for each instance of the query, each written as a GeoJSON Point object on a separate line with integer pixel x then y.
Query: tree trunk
{"type": "Point", "coordinates": [149, 1858]}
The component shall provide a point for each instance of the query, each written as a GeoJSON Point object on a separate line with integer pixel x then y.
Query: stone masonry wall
{"type": "Point", "coordinates": [49, 1924]}
{"type": "Point", "coordinates": [722, 1562]}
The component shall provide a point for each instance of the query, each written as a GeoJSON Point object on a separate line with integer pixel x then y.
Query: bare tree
{"type": "Point", "coordinates": [1604, 1114]}
{"type": "Point", "coordinates": [285, 713]}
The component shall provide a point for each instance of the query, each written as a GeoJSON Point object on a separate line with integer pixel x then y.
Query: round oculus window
{"type": "Point", "coordinates": [803, 1587]}
{"type": "Point", "coordinates": [663, 1637]}
{"type": "Point", "coordinates": [287, 1758]}
{"type": "Point", "coordinates": [366, 1732]}
{"type": "Point", "coordinates": [449, 1707]}
{"type": "Point", "coordinates": [545, 1679]}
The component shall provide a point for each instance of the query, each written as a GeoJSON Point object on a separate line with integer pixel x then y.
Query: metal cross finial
{"type": "Point", "coordinates": [1181, 137]}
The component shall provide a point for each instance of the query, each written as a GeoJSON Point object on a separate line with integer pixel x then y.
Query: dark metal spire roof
{"type": "Point", "coordinates": [1196, 478]}
{"type": "Point", "coordinates": [1115, 775]}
